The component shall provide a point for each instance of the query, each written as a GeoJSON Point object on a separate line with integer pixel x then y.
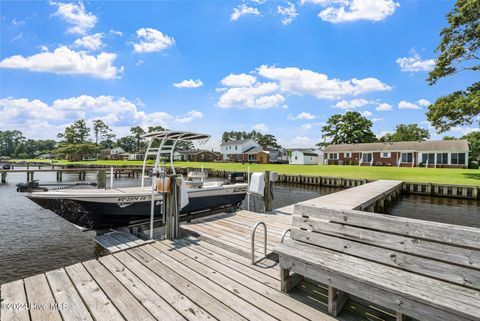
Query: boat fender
{"type": "Point", "coordinates": [163, 185]}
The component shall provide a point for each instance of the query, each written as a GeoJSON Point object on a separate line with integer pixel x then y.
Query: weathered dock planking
{"type": "Point", "coordinates": [369, 197]}
{"type": "Point", "coordinates": [168, 280]}
{"type": "Point", "coordinates": [117, 240]}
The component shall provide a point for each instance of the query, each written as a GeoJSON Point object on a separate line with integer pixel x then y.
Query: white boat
{"type": "Point", "coordinates": [109, 208]}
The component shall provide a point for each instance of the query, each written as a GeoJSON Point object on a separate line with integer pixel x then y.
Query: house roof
{"type": "Point", "coordinates": [194, 152]}
{"type": "Point", "coordinates": [235, 142]}
{"type": "Point", "coordinates": [428, 145]}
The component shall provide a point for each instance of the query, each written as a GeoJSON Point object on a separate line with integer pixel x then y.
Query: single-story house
{"type": "Point", "coordinates": [112, 153]}
{"type": "Point", "coordinates": [198, 155]}
{"type": "Point", "coordinates": [303, 157]}
{"type": "Point", "coordinates": [432, 153]}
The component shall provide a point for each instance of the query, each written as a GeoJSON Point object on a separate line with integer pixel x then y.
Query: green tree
{"type": "Point", "coordinates": [262, 139]}
{"type": "Point", "coordinates": [449, 138]}
{"type": "Point", "coordinates": [137, 133]}
{"type": "Point", "coordinates": [349, 128]}
{"type": "Point", "coordinates": [474, 141]}
{"type": "Point", "coordinates": [127, 143]}
{"type": "Point", "coordinates": [78, 151]}
{"type": "Point", "coordinates": [77, 133]}
{"type": "Point", "coordinates": [9, 141]}
{"type": "Point", "coordinates": [459, 51]}
{"type": "Point", "coordinates": [407, 133]}
{"type": "Point", "coordinates": [101, 131]}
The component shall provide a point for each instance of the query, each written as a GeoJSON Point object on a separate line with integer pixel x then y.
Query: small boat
{"type": "Point", "coordinates": [100, 209]}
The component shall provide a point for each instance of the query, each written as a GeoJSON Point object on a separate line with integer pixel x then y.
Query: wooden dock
{"type": "Point", "coordinates": [369, 197]}
{"type": "Point", "coordinates": [206, 275]}
{"type": "Point", "coordinates": [116, 241]}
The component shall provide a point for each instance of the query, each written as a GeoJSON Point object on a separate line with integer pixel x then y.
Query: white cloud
{"type": "Point", "coordinates": [384, 107]}
{"type": "Point", "coordinates": [288, 12]}
{"type": "Point", "coordinates": [257, 95]}
{"type": "Point", "coordinates": [92, 42]}
{"type": "Point", "coordinates": [407, 105]}
{"type": "Point", "coordinates": [261, 128]}
{"type": "Point", "coordinates": [66, 61]}
{"type": "Point", "coordinates": [119, 113]}
{"type": "Point", "coordinates": [423, 102]}
{"type": "Point", "coordinates": [189, 83]}
{"type": "Point", "coordinates": [238, 80]}
{"type": "Point", "coordinates": [377, 119]}
{"type": "Point", "coordinates": [338, 11]}
{"type": "Point", "coordinates": [366, 113]}
{"type": "Point", "coordinates": [190, 116]}
{"type": "Point", "coordinates": [302, 115]}
{"type": "Point", "coordinates": [244, 91]}
{"type": "Point", "coordinates": [17, 37]}
{"type": "Point", "coordinates": [116, 32]}
{"type": "Point", "coordinates": [152, 40]}
{"type": "Point", "coordinates": [307, 126]}
{"type": "Point", "coordinates": [307, 82]}
{"type": "Point", "coordinates": [299, 142]}
{"type": "Point", "coordinates": [75, 15]}
{"type": "Point", "coordinates": [243, 10]}
{"type": "Point", "coordinates": [415, 63]}
{"type": "Point", "coordinates": [351, 104]}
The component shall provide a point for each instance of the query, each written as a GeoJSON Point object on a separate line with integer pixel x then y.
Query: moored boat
{"type": "Point", "coordinates": [110, 208]}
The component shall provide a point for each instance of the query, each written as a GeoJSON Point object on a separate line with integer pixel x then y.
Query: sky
{"type": "Point", "coordinates": [278, 67]}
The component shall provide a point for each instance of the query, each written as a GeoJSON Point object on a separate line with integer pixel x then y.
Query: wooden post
{"type": "Point", "coordinates": [4, 177]}
{"type": "Point", "coordinates": [171, 208]}
{"type": "Point", "coordinates": [101, 179]}
{"type": "Point", "coordinates": [267, 196]}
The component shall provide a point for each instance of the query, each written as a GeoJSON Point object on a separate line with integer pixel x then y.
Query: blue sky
{"type": "Point", "coordinates": [281, 67]}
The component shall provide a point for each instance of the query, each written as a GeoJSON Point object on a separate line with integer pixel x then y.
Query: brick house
{"type": "Point", "coordinates": [433, 153]}
{"type": "Point", "coordinates": [198, 155]}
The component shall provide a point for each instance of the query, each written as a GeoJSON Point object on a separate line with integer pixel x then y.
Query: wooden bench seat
{"type": "Point", "coordinates": [425, 270]}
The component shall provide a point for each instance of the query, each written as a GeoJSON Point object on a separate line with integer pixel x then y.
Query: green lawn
{"type": "Point", "coordinates": [429, 175]}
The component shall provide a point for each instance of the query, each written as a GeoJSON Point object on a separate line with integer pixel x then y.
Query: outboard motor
{"type": "Point", "coordinates": [236, 177]}
{"type": "Point", "coordinates": [32, 186]}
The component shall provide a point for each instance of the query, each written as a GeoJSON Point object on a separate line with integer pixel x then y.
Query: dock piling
{"type": "Point", "coordinates": [101, 179]}
{"type": "Point", "coordinates": [267, 195]}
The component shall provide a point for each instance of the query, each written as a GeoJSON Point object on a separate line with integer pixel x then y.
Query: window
{"type": "Point", "coordinates": [348, 155]}
{"type": "Point", "coordinates": [428, 158]}
{"type": "Point", "coordinates": [442, 158]}
{"type": "Point", "coordinates": [407, 157]}
{"type": "Point", "coordinates": [236, 147]}
{"type": "Point", "coordinates": [385, 154]}
{"type": "Point", "coordinates": [366, 157]}
{"type": "Point", "coordinates": [296, 157]}
{"type": "Point", "coordinates": [333, 156]}
{"type": "Point", "coordinates": [458, 158]}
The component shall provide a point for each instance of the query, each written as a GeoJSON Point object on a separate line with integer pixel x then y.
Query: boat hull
{"type": "Point", "coordinates": [107, 212]}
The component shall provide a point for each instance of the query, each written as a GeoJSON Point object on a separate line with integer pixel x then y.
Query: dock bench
{"type": "Point", "coordinates": [419, 269]}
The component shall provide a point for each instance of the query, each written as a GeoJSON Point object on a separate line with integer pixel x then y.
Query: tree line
{"type": "Point", "coordinates": [77, 141]}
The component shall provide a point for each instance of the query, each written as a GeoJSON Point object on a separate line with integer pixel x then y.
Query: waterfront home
{"type": "Point", "coordinates": [238, 150]}
{"type": "Point", "coordinates": [432, 153]}
{"type": "Point", "coordinates": [303, 157]}
{"type": "Point", "coordinates": [198, 155]}
{"type": "Point", "coordinates": [112, 153]}
{"type": "Point", "coordinates": [248, 150]}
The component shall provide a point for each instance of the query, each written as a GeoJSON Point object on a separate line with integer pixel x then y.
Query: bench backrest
{"type": "Point", "coordinates": [443, 251]}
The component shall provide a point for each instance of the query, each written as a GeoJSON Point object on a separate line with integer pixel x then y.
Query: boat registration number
{"type": "Point", "coordinates": [132, 199]}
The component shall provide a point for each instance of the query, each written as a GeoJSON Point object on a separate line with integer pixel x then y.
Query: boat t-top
{"type": "Point", "coordinates": [100, 209]}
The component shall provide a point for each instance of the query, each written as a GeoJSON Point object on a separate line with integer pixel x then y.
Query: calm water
{"type": "Point", "coordinates": [34, 240]}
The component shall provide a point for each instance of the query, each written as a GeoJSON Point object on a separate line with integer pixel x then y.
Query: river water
{"type": "Point", "coordinates": [34, 240]}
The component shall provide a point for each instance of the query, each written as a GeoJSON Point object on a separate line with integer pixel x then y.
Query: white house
{"type": "Point", "coordinates": [303, 157]}
{"type": "Point", "coordinates": [238, 150]}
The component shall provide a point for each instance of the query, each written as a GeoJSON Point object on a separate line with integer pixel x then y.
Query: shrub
{"type": "Point", "coordinates": [473, 165]}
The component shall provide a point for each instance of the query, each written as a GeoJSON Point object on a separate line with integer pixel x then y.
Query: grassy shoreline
{"type": "Point", "coordinates": [416, 174]}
